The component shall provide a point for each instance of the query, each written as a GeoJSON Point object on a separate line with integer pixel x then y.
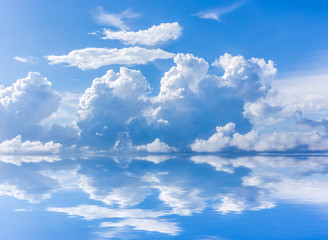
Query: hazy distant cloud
{"type": "Point", "coordinates": [92, 58]}
{"type": "Point", "coordinates": [30, 59]}
{"type": "Point", "coordinates": [150, 37]}
{"type": "Point", "coordinates": [113, 19]}
{"type": "Point", "coordinates": [217, 13]}
{"type": "Point", "coordinates": [156, 146]}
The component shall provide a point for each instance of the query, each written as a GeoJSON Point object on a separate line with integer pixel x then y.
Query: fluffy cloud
{"type": "Point", "coordinates": [183, 77]}
{"type": "Point", "coordinates": [17, 146]}
{"type": "Point", "coordinates": [255, 141]}
{"type": "Point", "coordinates": [150, 37]}
{"type": "Point", "coordinates": [281, 141]}
{"type": "Point", "coordinates": [110, 103]}
{"type": "Point", "coordinates": [247, 76]}
{"type": "Point", "coordinates": [216, 142]}
{"type": "Point", "coordinates": [156, 146]}
{"type": "Point", "coordinates": [113, 19]}
{"type": "Point", "coordinates": [24, 104]}
{"type": "Point", "coordinates": [92, 58]}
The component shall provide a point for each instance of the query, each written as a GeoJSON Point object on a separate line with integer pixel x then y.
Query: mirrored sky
{"type": "Point", "coordinates": [164, 197]}
{"type": "Point", "coordinates": [175, 119]}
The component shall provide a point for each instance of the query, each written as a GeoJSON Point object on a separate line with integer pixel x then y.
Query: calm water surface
{"type": "Point", "coordinates": [163, 197]}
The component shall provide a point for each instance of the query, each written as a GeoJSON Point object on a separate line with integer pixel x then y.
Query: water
{"type": "Point", "coordinates": [164, 197]}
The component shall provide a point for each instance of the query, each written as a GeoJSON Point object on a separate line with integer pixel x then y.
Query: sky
{"type": "Point", "coordinates": [164, 197]}
{"type": "Point", "coordinates": [163, 76]}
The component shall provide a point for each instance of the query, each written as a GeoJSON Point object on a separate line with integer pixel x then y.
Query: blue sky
{"type": "Point", "coordinates": [201, 76]}
{"type": "Point", "coordinates": [164, 197]}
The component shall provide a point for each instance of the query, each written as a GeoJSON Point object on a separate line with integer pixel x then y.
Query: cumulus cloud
{"type": "Point", "coordinates": [110, 103]}
{"type": "Point", "coordinates": [183, 77]}
{"type": "Point", "coordinates": [216, 142]}
{"type": "Point", "coordinates": [281, 141]}
{"type": "Point", "coordinates": [156, 146]}
{"type": "Point", "coordinates": [92, 58]}
{"type": "Point", "coordinates": [113, 19]}
{"type": "Point", "coordinates": [255, 141]}
{"type": "Point", "coordinates": [17, 146]}
{"type": "Point", "coordinates": [216, 14]}
{"type": "Point", "coordinates": [247, 76]}
{"type": "Point", "coordinates": [24, 104]}
{"type": "Point", "coordinates": [150, 37]}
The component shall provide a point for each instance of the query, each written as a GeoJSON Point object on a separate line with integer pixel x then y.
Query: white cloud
{"type": "Point", "coordinates": [155, 158]}
{"type": "Point", "coordinates": [262, 142]}
{"type": "Point", "coordinates": [150, 37]}
{"type": "Point", "coordinates": [67, 112]}
{"type": "Point", "coordinates": [19, 159]}
{"type": "Point", "coordinates": [17, 146]}
{"type": "Point", "coordinates": [30, 59]}
{"type": "Point", "coordinates": [219, 163]}
{"type": "Point", "coordinates": [14, 191]}
{"type": "Point", "coordinates": [25, 103]}
{"type": "Point", "coordinates": [151, 225]}
{"type": "Point", "coordinates": [183, 77]}
{"type": "Point", "coordinates": [248, 77]}
{"type": "Point", "coordinates": [123, 196]}
{"type": "Point", "coordinates": [113, 19]}
{"type": "Point", "coordinates": [238, 205]}
{"type": "Point", "coordinates": [183, 202]}
{"type": "Point", "coordinates": [216, 14]}
{"type": "Point", "coordinates": [92, 212]}
{"type": "Point", "coordinates": [281, 141]}
{"type": "Point", "coordinates": [92, 58]}
{"type": "Point", "coordinates": [156, 146]}
{"type": "Point", "coordinates": [112, 101]}
{"type": "Point", "coordinates": [216, 142]}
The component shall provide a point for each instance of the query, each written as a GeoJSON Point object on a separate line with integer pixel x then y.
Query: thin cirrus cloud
{"type": "Point", "coordinates": [217, 13]}
{"type": "Point", "coordinates": [149, 37]}
{"type": "Point", "coordinates": [93, 58]}
{"type": "Point", "coordinates": [113, 19]}
{"type": "Point", "coordinates": [30, 59]}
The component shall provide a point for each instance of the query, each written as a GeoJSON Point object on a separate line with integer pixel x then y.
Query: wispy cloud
{"type": "Point", "coordinates": [113, 19]}
{"type": "Point", "coordinates": [30, 59]}
{"type": "Point", "coordinates": [217, 13]}
{"type": "Point", "coordinates": [92, 58]}
{"type": "Point", "coordinates": [150, 37]}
